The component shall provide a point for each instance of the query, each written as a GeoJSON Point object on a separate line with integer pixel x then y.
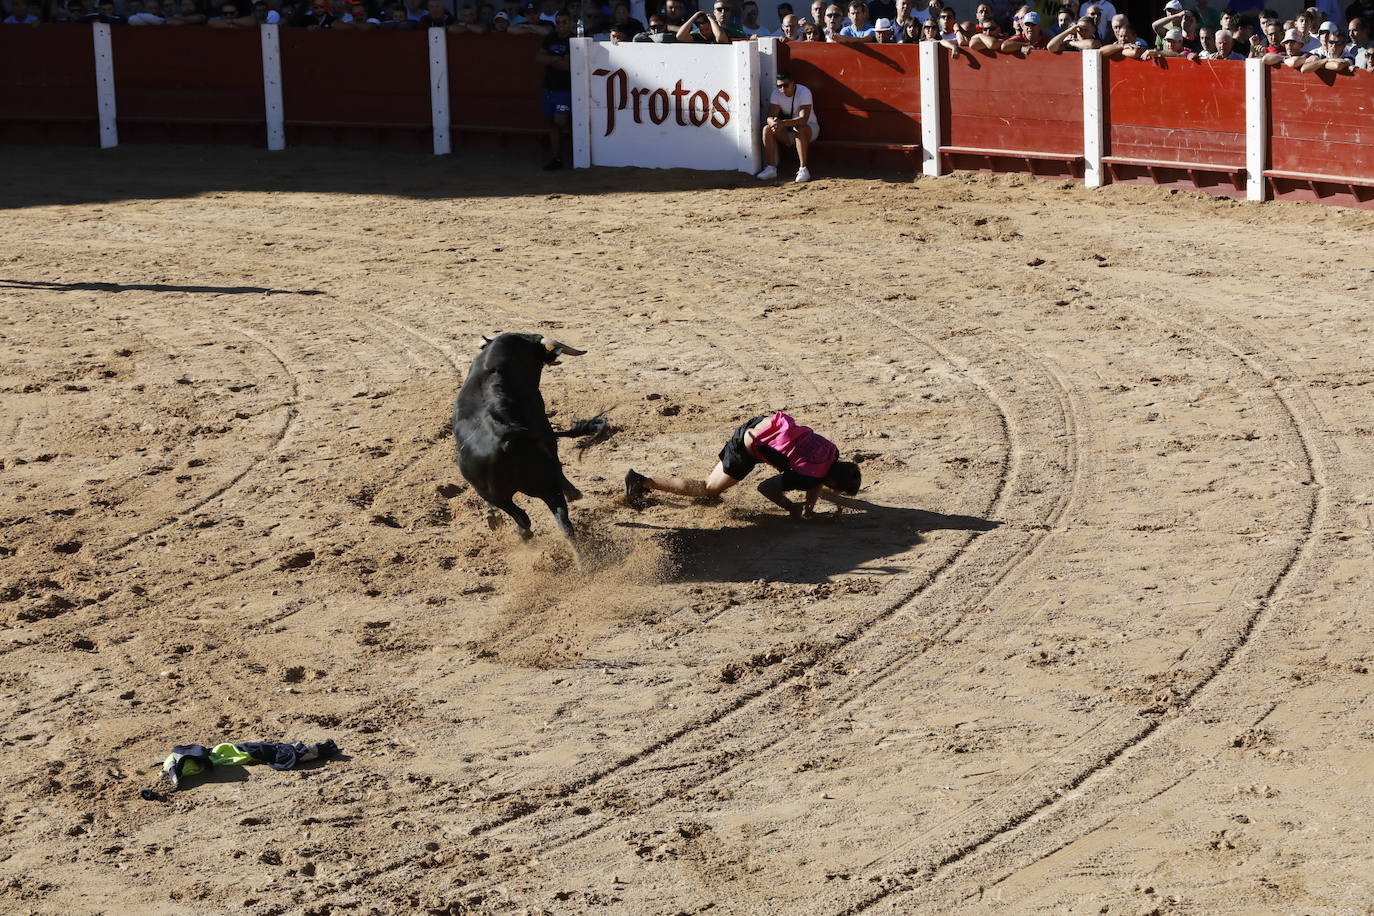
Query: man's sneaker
{"type": "Point", "coordinates": [803, 174]}
{"type": "Point", "coordinates": [634, 489]}
{"type": "Point", "coordinates": [553, 164]}
{"type": "Point", "coordinates": [768, 174]}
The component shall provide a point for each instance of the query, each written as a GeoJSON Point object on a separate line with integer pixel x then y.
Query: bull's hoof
{"type": "Point", "coordinates": [571, 493]}
{"type": "Point", "coordinates": [493, 520]}
{"type": "Point", "coordinates": [525, 533]}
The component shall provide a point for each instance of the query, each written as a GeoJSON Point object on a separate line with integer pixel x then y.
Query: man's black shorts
{"type": "Point", "coordinates": [737, 461]}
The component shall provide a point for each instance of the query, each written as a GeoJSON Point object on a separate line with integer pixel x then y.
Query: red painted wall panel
{"type": "Point", "coordinates": [1177, 111]}
{"type": "Point", "coordinates": [1008, 102]}
{"type": "Point", "coordinates": [48, 75]}
{"type": "Point", "coordinates": [190, 74]}
{"type": "Point", "coordinates": [494, 83]}
{"type": "Point", "coordinates": [866, 93]}
{"type": "Point", "coordinates": [1322, 125]}
{"type": "Point", "coordinates": [355, 78]}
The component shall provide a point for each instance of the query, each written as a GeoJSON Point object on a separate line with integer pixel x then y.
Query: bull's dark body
{"type": "Point", "coordinates": [505, 442]}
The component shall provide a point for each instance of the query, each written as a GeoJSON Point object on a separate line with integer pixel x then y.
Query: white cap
{"type": "Point", "coordinates": [885, 25]}
{"type": "Point", "coordinates": [1327, 26]}
{"type": "Point", "coordinates": [1173, 6]}
{"type": "Point", "coordinates": [1173, 35]}
{"type": "Point", "coordinates": [1293, 35]}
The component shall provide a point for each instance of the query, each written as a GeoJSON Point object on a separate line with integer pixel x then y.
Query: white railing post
{"type": "Point", "coordinates": [271, 87]}
{"type": "Point", "coordinates": [931, 96]}
{"type": "Point", "coordinates": [749, 129]}
{"type": "Point", "coordinates": [1094, 125]}
{"type": "Point", "coordinates": [768, 70]}
{"type": "Point", "coordinates": [582, 49]}
{"type": "Point", "coordinates": [438, 90]}
{"type": "Point", "coordinates": [105, 85]}
{"type": "Point", "coordinates": [1256, 127]}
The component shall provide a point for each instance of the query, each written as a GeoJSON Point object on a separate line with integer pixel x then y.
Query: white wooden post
{"type": "Point", "coordinates": [749, 121]}
{"type": "Point", "coordinates": [438, 90]}
{"type": "Point", "coordinates": [931, 92]}
{"type": "Point", "coordinates": [1094, 125]}
{"type": "Point", "coordinates": [271, 87]}
{"type": "Point", "coordinates": [1256, 127]}
{"type": "Point", "coordinates": [768, 70]}
{"type": "Point", "coordinates": [105, 85]}
{"type": "Point", "coordinates": [582, 50]}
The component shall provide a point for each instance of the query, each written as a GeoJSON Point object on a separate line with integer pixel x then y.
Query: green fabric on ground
{"type": "Point", "coordinates": [228, 755]}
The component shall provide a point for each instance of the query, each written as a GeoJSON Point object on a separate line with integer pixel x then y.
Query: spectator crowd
{"type": "Point", "coordinates": [1314, 39]}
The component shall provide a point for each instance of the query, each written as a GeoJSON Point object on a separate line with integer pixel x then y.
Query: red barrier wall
{"type": "Point", "coordinates": [1183, 122]}
{"type": "Point", "coordinates": [494, 84]}
{"type": "Point", "coordinates": [1171, 122]}
{"type": "Point", "coordinates": [48, 75]}
{"type": "Point", "coordinates": [1033, 105]}
{"type": "Point", "coordinates": [366, 88]}
{"type": "Point", "coordinates": [204, 85]}
{"type": "Point", "coordinates": [868, 100]}
{"type": "Point", "coordinates": [1329, 132]}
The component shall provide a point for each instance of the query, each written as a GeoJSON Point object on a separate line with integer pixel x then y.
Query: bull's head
{"type": "Point", "coordinates": [554, 349]}
{"type": "Point", "coordinates": [530, 344]}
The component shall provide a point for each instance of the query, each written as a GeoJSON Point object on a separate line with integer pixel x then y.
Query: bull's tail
{"type": "Point", "coordinates": [597, 429]}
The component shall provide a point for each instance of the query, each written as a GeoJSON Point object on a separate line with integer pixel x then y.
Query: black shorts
{"type": "Point", "coordinates": [737, 461]}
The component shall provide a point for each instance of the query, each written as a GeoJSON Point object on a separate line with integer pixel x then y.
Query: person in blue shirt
{"type": "Point", "coordinates": [858, 31]}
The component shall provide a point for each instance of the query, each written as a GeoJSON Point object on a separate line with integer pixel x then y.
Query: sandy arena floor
{"type": "Point", "coordinates": [1095, 638]}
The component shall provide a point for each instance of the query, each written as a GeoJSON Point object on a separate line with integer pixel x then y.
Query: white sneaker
{"type": "Point", "coordinates": [803, 174]}
{"type": "Point", "coordinates": [768, 174]}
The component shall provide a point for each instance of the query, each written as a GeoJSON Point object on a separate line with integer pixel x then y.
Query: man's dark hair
{"type": "Point", "coordinates": [782, 75]}
{"type": "Point", "coordinates": [785, 9]}
{"type": "Point", "coordinates": [845, 477]}
{"type": "Point", "coordinates": [1267, 13]}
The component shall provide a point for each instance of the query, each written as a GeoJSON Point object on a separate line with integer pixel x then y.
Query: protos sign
{"type": "Point", "coordinates": [686, 106]}
{"type": "Point", "coordinates": [665, 106]}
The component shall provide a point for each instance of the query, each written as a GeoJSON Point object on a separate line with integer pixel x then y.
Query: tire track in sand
{"type": "Point", "coordinates": [856, 642]}
{"type": "Point", "coordinates": [292, 412]}
{"type": "Point", "coordinates": [889, 628]}
{"type": "Point", "coordinates": [1120, 757]}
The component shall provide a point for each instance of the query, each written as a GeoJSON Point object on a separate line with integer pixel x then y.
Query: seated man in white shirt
{"type": "Point", "coordinates": [791, 117]}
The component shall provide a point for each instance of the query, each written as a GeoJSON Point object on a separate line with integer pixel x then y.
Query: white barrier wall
{"type": "Point", "coordinates": [680, 106]}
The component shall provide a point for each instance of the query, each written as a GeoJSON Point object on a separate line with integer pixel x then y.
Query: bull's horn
{"type": "Point", "coordinates": [485, 340]}
{"type": "Point", "coordinates": [555, 347]}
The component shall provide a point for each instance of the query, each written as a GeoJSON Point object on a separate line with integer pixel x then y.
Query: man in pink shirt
{"type": "Point", "coordinates": [805, 461]}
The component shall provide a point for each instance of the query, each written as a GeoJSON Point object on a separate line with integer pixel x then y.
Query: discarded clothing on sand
{"type": "Point", "coordinates": [190, 759]}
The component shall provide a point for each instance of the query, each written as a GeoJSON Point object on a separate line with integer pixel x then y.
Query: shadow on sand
{"type": "Point", "coordinates": [780, 549]}
{"type": "Point", "coordinates": [155, 288]}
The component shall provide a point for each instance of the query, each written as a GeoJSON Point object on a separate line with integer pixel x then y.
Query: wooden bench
{"type": "Point", "coordinates": [1153, 164]}
{"type": "Point", "coordinates": [1319, 179]}
{"type": "Point", "coordinates": [1011, 154]}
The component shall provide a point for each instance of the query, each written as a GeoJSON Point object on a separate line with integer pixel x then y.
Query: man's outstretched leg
{"type": "Point", "coordinates": [636, 485]}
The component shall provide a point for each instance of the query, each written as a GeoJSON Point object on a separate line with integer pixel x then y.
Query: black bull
{"type": "Point", "coordinates": [505, 442]}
